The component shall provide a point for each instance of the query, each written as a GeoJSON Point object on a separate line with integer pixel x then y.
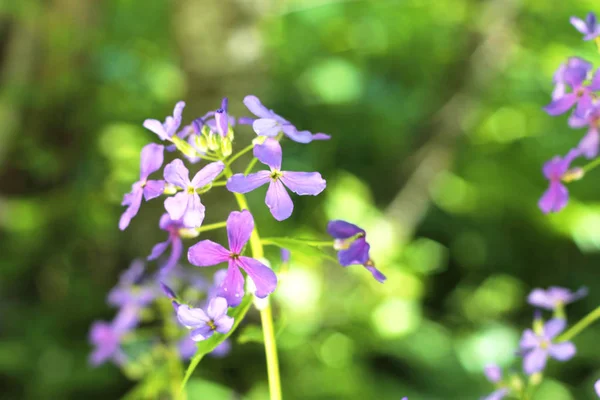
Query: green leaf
{"type": "Point", "coordinates": [251, 334]}
{"type": "Point", "coordinates": [201, 389]}
{"type": "Point", "coordinates": [299, 246]}
{"type": "Point", "coordinates": [208, 345]}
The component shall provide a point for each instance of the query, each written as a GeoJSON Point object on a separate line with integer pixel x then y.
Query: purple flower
{"type": "Point", "coordinates": [555, 198]}
{"type": "Point", "coordinates": [590, 27]}
{"type": "Point", "coordinates": [554, 297]}
{"type": "Point", "coordinates": [494, 374]}
{"type": "Point", "coordinates": [285, 255]}
{"type": "Point", "coordinates": [589, 144]}
{"type": "Point", "coordinates": [151, 161]}
{"type": "Point", "coordinates": [536, 348]}
{"type": "Point", "coordinates": [278, 200]}
{"type": "Point", "coordinates": [352, 246]}
{"type": "Point", "coordinates": [132, 289]}
{"type": "Point", "coordinates": [560, 86]}
{"type": "Point", "coordinates": [187, 348]}
{"type": "Point", "coordinates": [174, 240]}
{"type": "Point", "coordinates": [497, 395]}
{"type": "Point", "coordinates": [106, 337]}
{"type": "Point", "coordinates": [186, 205]}
{"type": "Point", "coordinates": [270, 124]}
{"type": "Point", "coordinates": [574, 75]}
{"type": "Point", "coordinates": [207, 253]}
{"type": "Point", "coordinates": [204, 324]}
{"type": "Point", "coordinates": [166, 130]}
{"type": "Point", "coordinates": [222, 119]}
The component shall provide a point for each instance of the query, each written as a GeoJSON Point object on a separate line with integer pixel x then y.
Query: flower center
{"type": "Point", "coordinates": [276, 174]}
{"type": "Point", "coordinates": [579, 92]}
{"type": "Point", "coordinates": [234, 256]}
{"type": "Point", "coordinates": [544, 344]}
{"type": "Point", "coordinates": [191, 190]}
{"type": "Point", "coordinates": [212, 325]}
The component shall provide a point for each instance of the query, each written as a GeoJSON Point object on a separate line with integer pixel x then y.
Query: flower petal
{"type": "Point", "coordinates": [159, 249]}
{"type": "Point", "coordinates": [217, 308]}
{"type": "Point", "coordinates": [579, 24]}
{"type": "Point", "coordinates": [278, 200]}
{"type": "Point", "coordinates": [153, 189]}
{"type": "Point", "coordinates": [176, 250]}
{"type": "Point", "coordinates": [562, 351]}
{"type": "Point", "coordinates": [357, 253]}
{"type": "Point", "coordinates": [134, 200]}
{"type": "Point", "coordinates": [493, 373]}
{"type": "Point", "coordinates": [561, 105]}
{"type": "Point", "coordinates": [535, 361]}
{"type": "Point", "coordinates": [266, 127]}
{"type": "Point", "coordinates": [595, 83]}
{"type": "Point", "coordinates": [201, 333]}
{"type": "Point", "coordinates": [321, 136]}
{"type": "Point", "coordinates": [240, 183]}
{"type": "Point", "coordinates": [194, 214]}
{"type": "Point", "coordinates": [589, 144]}
{"type": "Point", "coordinates": [528, 340]}
{"type": "Point", "coordinates": [553, 327]}
{"type": "Point", "coordinates": [232, 287]}
{"type": "Point", "coordinates": [207, 253]}
{"type": "Point", "coordinates": [224, 324]}
{"type": "Point", "coordinates": [151, 159]}
{"type": "Point", "coordinates": [177, 205]}
{"type": "Point", "coordinates": [177, 174]}
{"type": "Point", "coordinates": [296, 135]}
{"type": "Point", "coordinates": [304, 183]}
{"type": "Point", "coordinates": [256, 107]}
{"type": "Point", "coordinates": [156, 127]}
{"type": "Point", "coordinates": [497, 395]}
{"type": "Point", "coordinates": [342, 230]}
{"type": "Point", "coordinates": [555, 198]}
{"type": "Point", "coordinates": [239, 228]}
{"type": "Point", "coordinates": [263, 277]}
{"type": "Point", "coordinates": [377, 274]}
{"type": "Point", "coordinates": [539, 298]}
{"type": "Point", "coordinates": [192, 317]}
{"type": "Point", "coordinates": [269, 153]}
{"type": "Point", "coordinates": [207, 174]}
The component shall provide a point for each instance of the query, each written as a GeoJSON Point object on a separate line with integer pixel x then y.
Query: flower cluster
{"type": "Point", "coordinates": [576, 85]}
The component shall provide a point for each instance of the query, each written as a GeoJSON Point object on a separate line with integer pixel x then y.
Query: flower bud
{"type": "Point", "coordinates": [226, 147]}
{"type": "Point", "coordinates": [213, 142]}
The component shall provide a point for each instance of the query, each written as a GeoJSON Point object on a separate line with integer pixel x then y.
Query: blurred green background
{"type": "Point", "coordinates": [438, 141]}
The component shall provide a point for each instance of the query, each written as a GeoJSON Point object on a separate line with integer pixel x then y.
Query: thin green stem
{"type": "Point", "coordinates": [591, 165]}
{"type": "Point", "coordinates": [250, 166]}
{"type": "Point", "coordinates": [266, 314]}
{"type": "Point", "coordinates": [580, 326]}
{"type": "Point", "coordinates": [315, 243]}
{"type": "Point", "coordinates": [239, 154]}
{"type": "Point", "coordinates": [219, 183]}
{"type": "Point", "coordinates": [210, 227]}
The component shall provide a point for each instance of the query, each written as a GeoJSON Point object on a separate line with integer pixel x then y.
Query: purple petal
{"type": "Point", "coordinates": [266, 127]}
{"type": "Point", "coordinates": [577, 121]}
{"type": "Point", "coordinates": [187, 348]}
{"type": "Point", "coordinates": [589, 144]}
{"type": "Point", "coordinates": [177, 174]}
{"type": "Point", "coordinates": [263, 277]}
{"type": "Point", "coordinates": [201, 333]}
{"type": "Point", "coordinates": [595, 83]}
{"type": "Point", "coordinates": [377, 274]}
{"type": "Point", "coordinates": [493, 373]}
{"type": "Point", "coordinates": [207, 253]}
{"type": "Point", "coordinates": [269, 153]}
{"type": "Point", "coordinates": [245, 121]}
{"type": "Point", "coordinates": [224, 324]}
{"type": "Point", "coordinates": [343, 230]}
{"type": "Point", "coordinates": [562, 351]}
{"type": "Point", "coordinates": [232, 287]}
{"type": "Point", "coordinates": [357, 253]}
{"type": "Point", "coordinates": [296, 135]}
{"type": "Point", "coordinates": [239, 228]}
{"type": "Point", "coordinates": [221, 350]}
{"type": "Point", "coordinates": [153, 189]}
{"type": "Point", "coordinates": [126, 319]}
{"type": "Point", "coordinates": [553, 327]}
{"type": "Point", "coordinates": [574, 75]}
{"type": "Point", "coordinates": [207, 174]}
{"type": "Point", "coordinates": [158, 250]}
{"type": "Point", "coordinates": [177, 205]}
{"type": "Point", "coordinates": [168, 291]}
{"type": "Point", "coordinates": [579, 24]}
{"type": "Point", "coordinates": [561, 105]}
{"type": "Point", "coordinates": [535, 361]}
{"type": "Point", "coordinates": [278, 200]}
{"type": "Point", "coordinates": [285, 255]}
{"type": "Point", "coordinates": [529, 340]}
{"type": "Point", "coordinates": [240, 183]}
{"type": "Point", "coordinates": [321, 136]}
{"type": "Point", "coordinates": [539, 298]}
{"type": "Point", "coordinates": [176, 250]}
{"type": "Point", "coordinates": [222, 122]}
{"type": "Point", "coordinates": [597, 387]}
{"type": "Point", "coordinates": [304, 183]}
{"type": "Point", "coordinates": [134, 200]}
{"type": "Point", "coordinates": [497, 395]}
{"type": "Point", "coordinates": [178, 110]}
{"type": "Point", "coordinates": [217, 307]}
{"type": "Point", "coordinates": [584, 104]}
{"type": "Point", "coordinates": [256, 107]}
{"type": "Point", "coordinates": [194, 214]}
{"type": "Point", "coordinates": [156, 127]}
{"type": "Point", "coordinates": [554, 199]}
{"type": "Point", "coordinates": [151, 159]}
{"type": "Point", "coordinates": [192, 317]}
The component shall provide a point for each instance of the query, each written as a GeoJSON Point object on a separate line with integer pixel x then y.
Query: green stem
{"type": "Point", "coordinates": [591, 165]}
{"type": "Point", "coordinates": [580, 326]}
{"type": "Point", "coordinates": [250, 166]}
{"type": "Point", "coordinates": [315, 243]}
{"type": "Point", "coordinates": [210, 227]}
{"type": "Point", "coordinates": [219, 183]}
{"type": "Point", "coordinates": [266, 314]}
{"type": "Point", "coordinates": [239, 154]}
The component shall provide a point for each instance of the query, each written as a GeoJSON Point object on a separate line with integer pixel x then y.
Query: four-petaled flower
{"type": "Point", "coordinates": [151, 161]}
{"type": "Point", "coordinates": [574, 75]}
{"type": "Point", "coordinates": [207, 253]}
{"type": "Point", "coordinates": [166, 130]}
{"type": "Point", "coordinates": [106, 337]}
{"type": "Point", "coordinates": [352, 246]}
{"type": "Point", "coordinates": [174, 240]}
{"type": "Point", "coordinates": [590, 27]}
{"type": "Point", "coordinates": [560, 85]}
{"type": "Point", "coordinates": [555, 198]}
{"type": "Point", "coordinates": [537, 347]}
{"type": "Point", "coordinates": [494, 374]}
{"type": "Point", "coordinates": [554, 297]}
{"type": "Point", "coordinates": [271, 124]}
{"type": "Point", "coordinates": [204, 324]}
{"type": "Point", "coordinates": [590, 142]}
{"type": "Point", "coordinates": [186, 205]}
{"type": "Point", "coordinates": [278, 200]}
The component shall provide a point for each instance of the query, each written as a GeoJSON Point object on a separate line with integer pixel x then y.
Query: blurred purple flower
{"type": "Point", "coordinates": [187, 348]}
{"type": "Point", "coordinates": [278, 200]}
{"type": "Point", "coordinates": [186, 205]}
{"type": "Point", "coordinates": [166, 130]}
{"type": "Point", "coordinates": [285, 255]}
{"type": "Point", "coordinates": [554, 297]}
{"type": "Point", "coordinates": [589, 144]}
{"type": "Point", "coordinates": [494, 374]}
{"type": "Point", "coordinates": [560, 84]}
{"type": "Point", "coordinates": [207, 253]}
{"type": "Point", "coordinates": [106, 337]}
{"type": "Point", "coordinates": [352, 246]}
{"type": "Point", "coordinates": [497, 395]}
{"type": "Point", "coordinates": [536, 348]}
{"type": "Point", "coordinates": [174, 240]}
{"type": "Point", "coordinates": [151, 161]}
{"type": "Point", "coordinates": [204, 324]}
{"type": "Point", "coordinates": [555, 198]}
{"type": "Point", "coordinates": [271, 124]}
{"type": "Point", "coordinates": [574, 76]}
{"type": "Point", "coordinates": [133, 289]}
{"type": "Point", "coordinates": [590, 27]}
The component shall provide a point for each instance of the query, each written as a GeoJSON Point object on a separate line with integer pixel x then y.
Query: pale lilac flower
{"type": "Point", "coordinates": [132, 288]}
{"type": "Point", "coordinates": [207, 253]}
{"type": "Point", "coordinates": [560, 84]}
{"type": "Point", "coordinates": [554, 297]}
{"type": "Point", "coordinates": [352, 246]}
{"type": "Point", "coordinates": [166, 130]}
{"type": "Point", "coordinates": [590, 142]}
{"type": "Point", "coordinates": [574, 76]}
{"type": "Point", "coordinates": [537, 347]}
{"type": "Point", "coordinates": [494, 374]}
{"type": "Point", "coordinates": [204, 324]}
{"type": "Point", "coordinates": [174, 240]}
{"type": "Point", "coordinates": [151, 161]}
{"type": "Point", "coordinates": [186, 205]}
{"type": "Point", "coordinates": [106, 337]}
{"type": "Point", "coordinates": [278, 200]}
{"type": "Point", "coordinates": [590, 27]}
{"type": "Point", "coordinates": [270, 124]}
{"type": "Point", "coordinates": [555, 198]}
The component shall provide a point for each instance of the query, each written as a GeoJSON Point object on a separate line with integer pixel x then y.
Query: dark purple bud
{"type": "Point", "coordinates": [224, 103]}
{"type": "Point", "coordinates": [167, 291]}
{"type": "Point", "coordinates": [222, 122]}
